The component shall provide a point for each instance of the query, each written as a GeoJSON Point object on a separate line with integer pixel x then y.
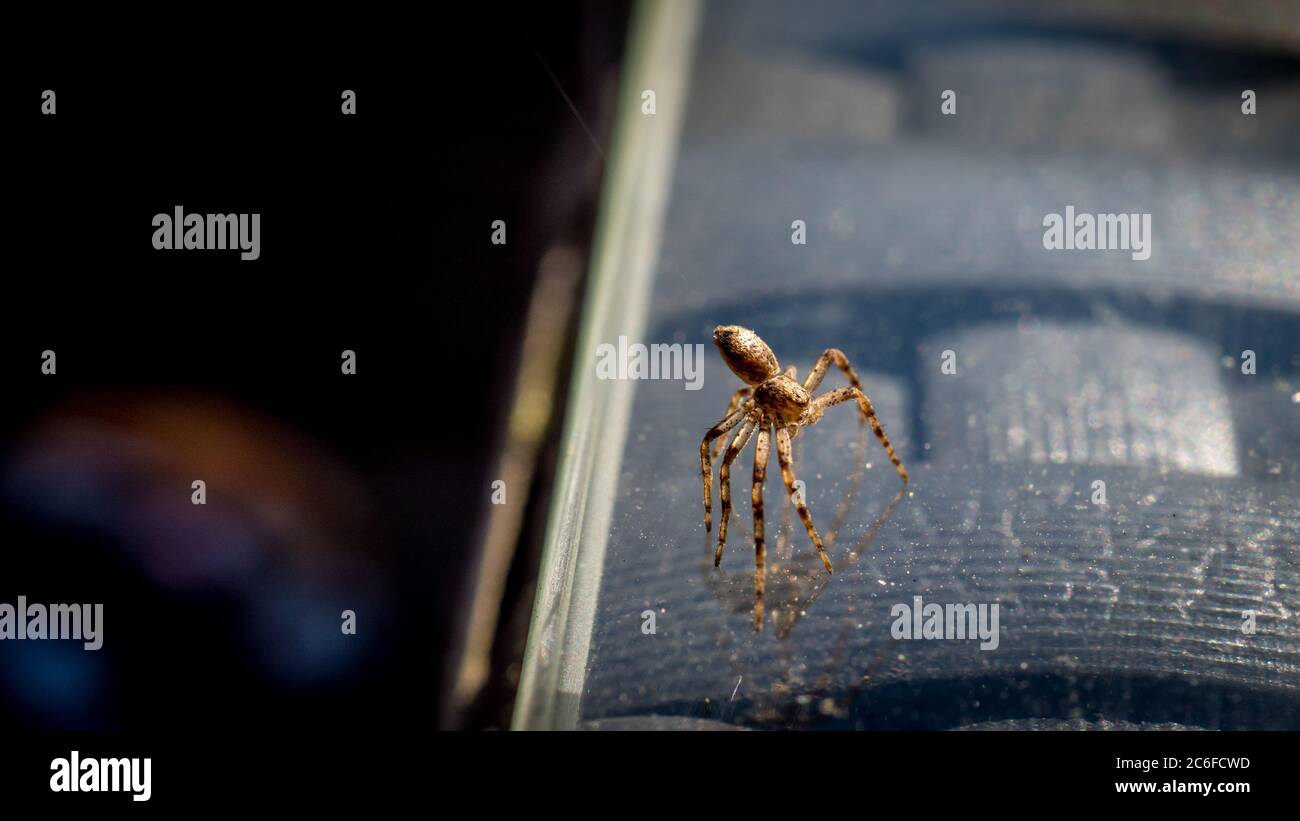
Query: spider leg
{"type": "Point", "coordinates": [761, 452]}
{"type": "Point", "coordinates": [841, 361]}
{"type": "Point", "coordinates": [835, 397]}
{"type": "Point", "coordinates": [706, 463]}
{"type": "Point", "coordinates": [731, 407]}
{"type": "Point", "coordinates": [738, 443]}
{"type": "Point", "coordinates": [787, 473]}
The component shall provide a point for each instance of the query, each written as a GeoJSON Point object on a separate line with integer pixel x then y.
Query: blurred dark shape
{"type": "Point", "coordinates": [285, 537]}
{"type": "Point", "coordinates": [124, 464]}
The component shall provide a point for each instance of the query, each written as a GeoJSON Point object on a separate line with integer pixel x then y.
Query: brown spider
{"type": "Point", "coordinates": [773, 400]}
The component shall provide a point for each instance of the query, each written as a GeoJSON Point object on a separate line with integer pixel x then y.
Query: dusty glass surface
{"type": "Point", "coordinates": [925, 236]}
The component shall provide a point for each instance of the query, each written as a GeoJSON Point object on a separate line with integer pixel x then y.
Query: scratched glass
{"type": "Point", "coordinates": [1096, 461]}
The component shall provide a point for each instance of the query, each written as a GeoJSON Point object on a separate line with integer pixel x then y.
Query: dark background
{"type": "Point", "coordinates": [361, 492]}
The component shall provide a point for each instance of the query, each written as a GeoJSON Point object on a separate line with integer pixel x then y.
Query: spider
{"type": "Point", "coordinates": [773, 399]}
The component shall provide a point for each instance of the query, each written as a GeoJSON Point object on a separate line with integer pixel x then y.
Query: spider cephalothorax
{"type": "Point", "coordinates": [776, 401]}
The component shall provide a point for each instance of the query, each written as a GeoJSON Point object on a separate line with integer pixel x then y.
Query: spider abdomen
{"type": "Point", "coordinates": [745, 353]}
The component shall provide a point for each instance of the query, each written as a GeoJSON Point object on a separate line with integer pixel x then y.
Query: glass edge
{"type": "Point", "coordinates": [624, 255]}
